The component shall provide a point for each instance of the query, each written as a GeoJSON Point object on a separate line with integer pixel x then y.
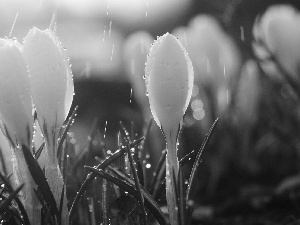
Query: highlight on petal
{"type": "Point", "coordinates": [15, 102]}
{"type": "Point", "coordinates": [169, 81]}
{"type": "Point", "coordinates": [50, 77]}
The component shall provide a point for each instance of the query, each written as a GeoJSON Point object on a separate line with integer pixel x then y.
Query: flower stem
{"type": "Point", "coordinates": [172, 165]}
{"type": "Point", "coordinates": [56, 182]}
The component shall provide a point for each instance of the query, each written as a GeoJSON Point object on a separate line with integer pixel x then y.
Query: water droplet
{"type": "Point", "coordinates": [147, 4]}
{"type": "Point", "coordinates": [190, 203]}
{"type": "Point", "coordinates": [107, 7]}
{"type": "Point", "coordinates": [196, 104]}
{"type": "Point", "coordinates": [148, 165]}
{"type": "Point", "coordinates": [104, 31]}
{"type": "Point", "coordinates": [195, 91]}
{"type": "Point", "coordinates": [105, 126]}
{"type": "Point", "coordinates": [198, 114]}
{"type": "Point", "coordinates": [130, 95]}
{"type": "Point", "coordinates": [13, 25]}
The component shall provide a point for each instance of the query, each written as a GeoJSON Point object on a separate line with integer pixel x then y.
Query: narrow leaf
{"type": "Point", "coordinates": [186, 158]}
{"type": "Point", "coordinates": [5, 203]}
{"type": "Point", "coordinates": [2, 163]}
{"type": "Point", "coordinates": [137, 186]}
{"type": "Point", "coordinates": [157, 171]}
{"type": "Point", "coordinates": [64, 135]}
{"type": "Point", "coordinates": [181, 198]}
{"type": "Point", "coordinates": [39, 178]}
{"type": "Point", "coordinates": [146, 194]}
{"type": "Point", "coordinates": [149, 202]}
{"type": "Point", "coordinates": [90, 177]}
{"type": "Point", "coordinates": [39, 151]}
{"type": "Point", "coordinates": [125, 132]}
{"type": "Point", "coordinates": [198, 159]}
{"type": "Point", "coordinates": [61, 203]}
{"type": "Point", "coordinates": [104, 203]}
{"type": "Point", "coordinates": [17, 200]}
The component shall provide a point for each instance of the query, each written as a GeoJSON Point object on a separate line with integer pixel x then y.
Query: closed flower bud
{"type": "Point", "coordinates": [17, 121]}
{"type": "Point", "coordinates": [279, 30]}
{"type": "Point", "coordinates": [169, 81]}
{"type": "Point", "coordinates": [50, 79]}
{"type": "Point", "coordinates": [52, 93]}
{"type": "Point", "coordinates": [15, 102]}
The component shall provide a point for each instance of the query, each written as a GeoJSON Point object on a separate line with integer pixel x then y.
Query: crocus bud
{"type": "Point", "coordinates": [169, 81]}
{"type": "Point", "coordinates": [17, 120]}
{"type": "Point", "coordinates": [15, 102]}
{"type": "Point", "coordinates": [50, 79]}
{"type": "Point", "coordinates": [52, 93]}
{"type": "Point", "coordinates": [279, 29]}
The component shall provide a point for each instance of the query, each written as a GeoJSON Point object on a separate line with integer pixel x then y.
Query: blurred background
{"type": "Point", "coordinates": [254, 152]}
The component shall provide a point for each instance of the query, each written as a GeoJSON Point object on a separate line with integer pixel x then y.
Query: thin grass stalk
{"type": "Point", "coordinates": [6, 202]}
{"type": "Point", "coordinates": [17, 200]}
{"type": "Point", "coordinates": [149, 203]}
{"type": "Point", "coordinates": [189, 192]}
{"type": "Point", "coordinates": [160, 164]}
{"type": "Point", "coordinates": [137, 186]}
{"type": "Point", "coordinates": [90, 177]}
{"type": "Point", "coordinates": [104, 203]}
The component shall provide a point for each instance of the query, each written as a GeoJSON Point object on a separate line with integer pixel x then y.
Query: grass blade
{"type": "Point", "coordinates": [137, 186]}
{"type": "Point", "coordinates": [90, 177]}
{"type": "Point", "coordinates": [17, 200]}
{"type": "Point", "coordinates": [149, 202]}
{"type": "Point", "coordinates": [2, 163]}
{"type": "Point", "coordinates": [189, 192]}
{"type": "Point", "coordinates": [181, 198]}
{"type": "Point", "coordinates": [5, 203]}
{"type": "Point", "coordinates": [157, 171]}
{"type": "Point", "coordinates": [61, 203]}
{"type": "Point", "coordinates": [104, 203]}
{"type": "Point", "coordinates": [39, 151]}
{"type": "Point", "coordinates": [125, 132]}
{"type": "Point", "coordinates": [64, 135]}
{"type": "Point", "coordinates": [39, 178]}
{"type": "Point", "coordinates": [186, 158]}
{"type": "Point", "coordinates": [146, 194]}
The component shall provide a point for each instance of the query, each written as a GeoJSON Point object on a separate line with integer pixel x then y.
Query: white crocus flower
{"type": "Point", "coordinates": [279, 30]}
{"type": "Point", "coordinates": [50, 79]}
{"type": "Point", "coordinates": [15, 101]}
{"type": "Point", "coordinates": [169, 81]}
{"type": "Point", "coordinates": [16, 119]}
{"type": "Point", "coordinates": [52, 91]}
